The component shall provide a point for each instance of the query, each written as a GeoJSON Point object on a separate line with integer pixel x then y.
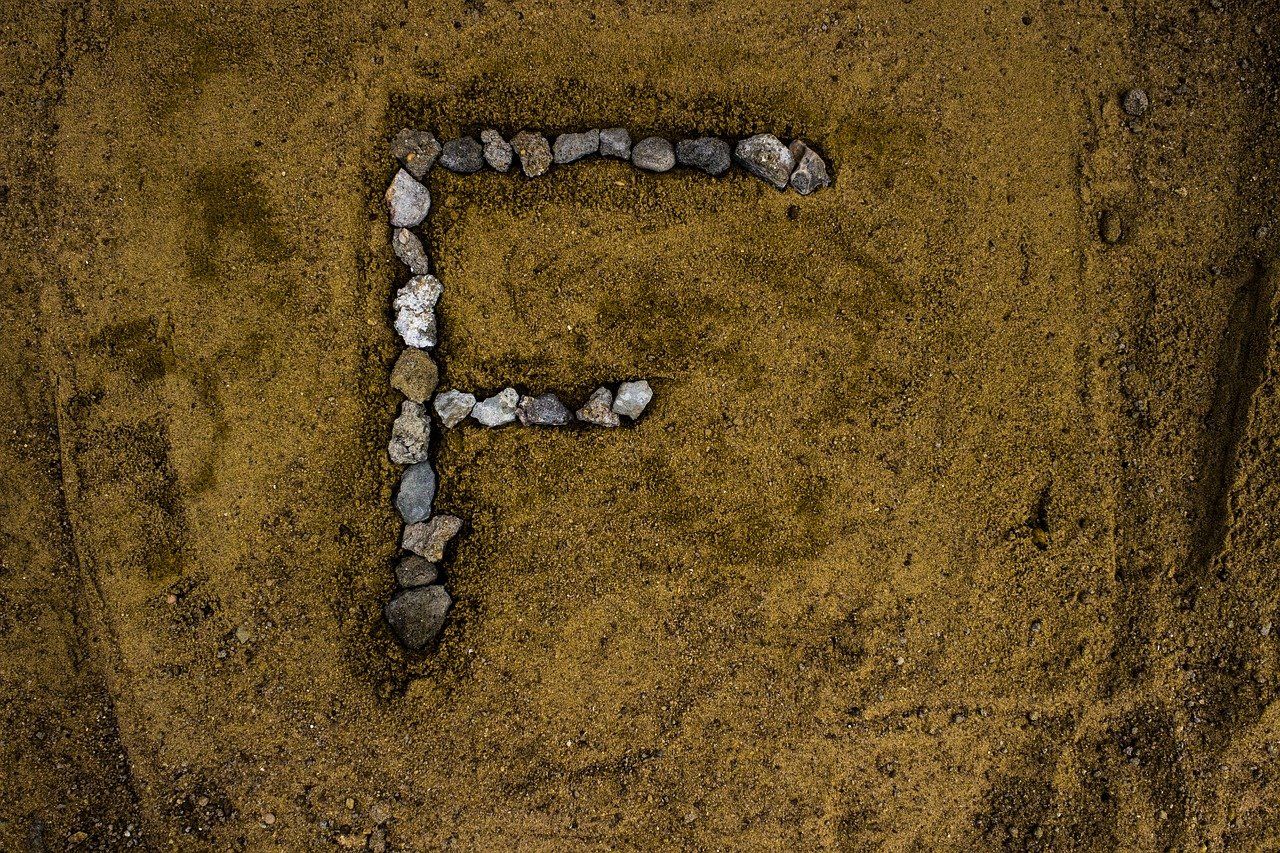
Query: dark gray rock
{"type": "Point", "coordinates": [497, 151]}
{"type": "Point", "coordinates": [429, 538]}
{"type": "Point", "coordinates": [544, 410]}
{"type": "Point", "coordinates": [417, 615]}
{"type": "Point", "coordinates": [410, 435]}
{"type": "Point", "coordinates": [764, 156]}
{"type": "Point", "coordinates": [534, 152]}
{"type": "Point", "coordinates": [599, 409]}
{"type": "Point", "coordinates": [454, 406]}
{"type": "Point", "coordinates": [615, 142]}
{"type": "Point", "coordinates": [463, 155]}
{"type": "Point", "coordinates": [416, 150]}
{"type": "Point", "coordinates": [416, 493]}
{"type": "Point", "coordinates": [1136, 103]}
{"type": "Point", "coordinates": [416, 571]}
{"type": "Point", "coordinates": [653, 154]}
{"type": "Point", "coordinates": [415, 375]}
{"type": "Point", "coordinates": [415, 310]}
{"type": "Point", "coordinates": [409, 250]}
{"type": "Point", "coordinates": [810, 173]}
{"type": "Point", "coordinates": [707, 153]}
{"type": "Point", "coordinates": [497, 410]}
{"type": "Point", "coordinates": [407, 201]}
{"type": "Point", "coordinates": [632, 398]}
{"type": "Point", "coordinates": [574, 146]}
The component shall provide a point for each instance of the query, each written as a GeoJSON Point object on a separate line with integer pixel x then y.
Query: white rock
{"type": "Point", "coordinates": [415, 310]}
{"type": "Point", "coordinates": [497, 410]}
{"type": "Point", "coordinates": [410, 435]}
{"type": "Point", "coordinates": [454, 406]}
{"type": "Point", "coordinates": [407, 201]}
{"type": "Point", "coordinates": [632, 398]}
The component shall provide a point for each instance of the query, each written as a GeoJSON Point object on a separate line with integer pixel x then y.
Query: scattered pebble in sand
{"type": "Point", "coordinates": [1110, 227]}
{"type": "Point", "coordinates": [428, 539]}
{"type": "Point", "coordinates": [497, 151]}
{"type": "Point", "coordinates": [416, 150]}
{"type": "Point", "coordinates": [416, 493]}
{"type": "Point", "coordinates": [764, 156]}
{"type": "Point", "coordinates": [599, 409]}
{"type": "Point", "coordinates": [415, 310]}
{"type": "Point", "coordinates": [414, 570]}
{"type": "Point", "coordinates": [632, 398]}
{"type": "Point", "coordinates": [615, 142]}
{"type": "Point", "coordinates": [810, 173]}
{"type": "Point", "coordinates": [653, 154]}
{"type": "Point", "coordinates": [407, 201]}
{"type": "Point", "coordinates": [268, 818]}
{"type": "Point", "coordinates": [707, 153]}
{"type": "Point", "coordinates": [417, 615]}
{"type": "Point", "coordinates": [410, 435]}
{"type": "Point", "coordinates": [463, 155]}
{"type": "Point", "coordinates": [454, 406]}
{"type": "Point", "coordinates": [408, 249]}
{"type": "Point", "coordinates": [534, 152]}
{"type": "Point", "coordinates": [574, 146]}
{"type": "Point", "coordinates": [497, 410]}
{"type": "Point", "coordinates": [1136, 103]}
{"type": "Point", "coordinates": [415, 375]}
{"type": "Point", "coordinates": [543, 410]}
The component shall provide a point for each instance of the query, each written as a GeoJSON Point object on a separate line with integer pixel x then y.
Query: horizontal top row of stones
{"type": "Point", "coordinates": [764, 155]}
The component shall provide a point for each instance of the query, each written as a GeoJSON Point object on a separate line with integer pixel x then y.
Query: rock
{"type": "Point", "coordinates": [810, 173]}
{"type": "Point", "coordinates": [415, 375]}
{"type": "Point", "coordinates": [707, 153]}
{"type": "Point", "coordinates": [410, 435]}
{"type": "Point", "coordinates": [417, 615]}
{"type": "Point", "coordinates": [408, 249]}
{"type": "Point", "coordinates": [764, 156]}
{"type": "Point", "coordinates": [599, 409]}
{"type": "Point", "coordinates": [1136, 103]}
{"type": "Point", "coordinates": [574, 146]}
{"type": "Point", "coordinates": [463, 155]}
{"type": "Point", "coordinates": [534, 152]}
{"type": "Point", "coordinates": [544, 410]}
{"type": "Point", "coordinates": [417, 491]}
{"type": "Point", "coordinates": [1110, 227]}
{"type": "Point", "coordinates": [414, 570]}
{"type": "Point", "coordinates": [497, 151]}
{"type": "Point", "coordinates": [653, 154]}
{"type": "Point", "coordinates": [615, 142]}
{"type": "Point", "coordinates": [428, 539]}
{"type": "Point", "coordinates": [416, 150]}
{"type": "Point", "coordinates": [415, 310]}
{"type": "Point", "coordinates": [497, 410]}
{"type": "Point", "coordinates": [454, 406]}
{"type": "Point", "coordinates": [407, 201]}
{"type": "Point", "coordinates": [632, 398]}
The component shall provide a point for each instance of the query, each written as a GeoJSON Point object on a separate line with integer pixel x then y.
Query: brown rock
{"type": "Point", "coordinates": [428, 538]}
{"type": "Point", "coordinates": [415, 375]}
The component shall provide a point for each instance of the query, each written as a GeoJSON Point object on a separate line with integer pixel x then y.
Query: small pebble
{"type": "Point", "coordinates": [707, 153]}
{"type": "Point", "coordinates": [408, 249]}
{"type": "Point", "coordinates": [599, 409]}
{"type": "Point", "coordinates": [463, 155]}
{"type": "Point", "coordinates": [413, 571]}
{"type": "Point", "coordinates": [416, 493]}
{"type": "Point", "coordinates": [1110, 227]}
{"type": "Point", "coordinates": [653, 154]}
{"type": "Point", "coordinates": [497, 151]}
{"type": "Point", "coordinates": [544, 410]}
{"type": "Point", "coordinates": [497, 410]}
{"type": "Point", "coordinates": [415, 310]}
{"type": "Point", "coordinates": [534, 152]}
{"type": "Point", "coordinates": [416, 150]}
{"type": "Point", "coordinates": [632, 398]}
{"type": "Point", "coordinates": [427, 539]}
{"type": "Point", "coordinates": [407, 201]}
{"type": "Point", "coordinates": [417, 615]}
{"type": "Point", "coordinates": [410, 435]}
{"type": "Point", "coordinates": [415, 375]}
{"type": "Point", "coordinates": [1136, 103]}
{"type": "Point", "coordinates": [268, 818]}
{"type": "Point", "coordinates": [810, 173]}
{"type": "Point", "coordinates": [574, 146]}
{"type": "Point", "coordinates": [244, 634]}
{"type": "Point", "coordinates": [615, 142]}
{"type": "Point", "coordinates": [764, 156]}
{"type": "Point", "coordinates": [454, 406]}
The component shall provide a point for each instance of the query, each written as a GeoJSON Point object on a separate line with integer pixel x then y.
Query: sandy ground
{"type": "Point", "coordinates": [951, 527]}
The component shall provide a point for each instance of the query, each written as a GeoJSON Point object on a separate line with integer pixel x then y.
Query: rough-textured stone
{"type": "Point", "coordinates": [615, 142]}
{"type": "Point", "coordinates": [599, 409]}
{"type": "Point", "coordinates": [417, 615]}
{"type": "Point", "coordinates": [409, 250]}
{"type": "Point", "coordinates": [415, 375]}
{"type": "Point", "coordinates": [497, 410]}
{"type": "Point", "coordinates": [407, 201]}
{"type": "Point", "coordinates": [810, 172]}
{"type": "Point", "coordinates": [416, 571]}
{"type": "Point", "coordinates": [454, 406]}
{"type": "Point", "coordinates": [497, 151]}
{"type": "Point", "coordinates": [415, 310]}
{"type": "Point", "coordinates": [1136, 103]}
{"type": "Point", "coordinates": [632, 398]}
{"type": "Point", "coordinates": [428, 539]}
{"type": "Point", "coordinates": [410, 435]}
{"type": "Point", "coordinates": [764, 156]}
{"type": "Point", "coordinates": [417, 491]}
{"type": "Point", "coordinates": [653, 154]}
{"type": "Point", "coordinates": [416, 150]}
{"type": "Point", "coordinates": [543, 410]}
{"type": "Point", "coordinates": [574, 146]}
{"type": "Point", "coordinates": [707, 153]}
{"type": "Point", "coordinates": [463, 155]}
{"type": "Point", "coordinates": [534, 152]}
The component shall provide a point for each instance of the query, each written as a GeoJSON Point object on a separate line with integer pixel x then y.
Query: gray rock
{"type": "Point", "coordinates": [497, 151]}
{"type": "Point", "coordinates": [415, 375]}
{"type": "Point", "coordinates": [764, 156]}
{"type": "Point", "coordinates": [615, 142]}
{"type": "Point", "coordinates": [407, 201]}
{"type": "Point", "coordinates": [415, 310]}
{"type": "Point", "coordinates": [410, 435]}
{"type": "Point", "coordinates": [574, 146]}
{"type": "Point", "coordinates": [534, 152]}
{"type": "Point", "coordinates": [416, 150]}
{"type": "Point", "coordinates": [632, 398]}
{"type": "Point", "coordinates": [599, 409]}
{"type": "Point", "coordinates": [463, 155]}
{"type": "Point", "coordinates": [454, 406]}
{"type": "Point", "coordinates": [428, 539]}
{"type": "Point", "coordinates": [810, 173]}
{"type": "Point", "coordinates": [1136, 103]}
{"type": "Point", "coordinates": [417, 491]}
{"type": "Point", "coordinates": [544, 410]}
{"type": "Point", "coordinates": [1110, 227]}
{"type": "Point", "coordinates": [408, 249]}
{"type": "Point", "coordinates": [416, 571]}
{"type": "Point", "coordinates": [417, 615]}
{"type": "Point", "coordinates": [497, 410]}
{"type": "Point", "coordinates": [707, 153]}
{"type": "Point", "coordinates": [654, 154]}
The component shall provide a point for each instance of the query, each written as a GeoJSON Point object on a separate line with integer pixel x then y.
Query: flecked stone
{"type": "Point", "coordinates": [454, 406]}
{"type": "Point", "coordinates": [632, 398]}
{"type": "Point", "coordinates": [653, 154]}
{"type": "Point", "coordinates": [417, 491]}
{"type": "Point", "coordinates": [415, 310]}
{"type": "Point", "coordinates": [707, 153]}
{"type": "Point", "coordinates": [764, 156]}
{"type": "Point", "coordinates": [408, 249]}
{"type": "Point", "coordinates": [615, 142]}
{"type": "Point", "coordinates": [428, 539]}
{"type": "Point", "coordinates": [416, 571]}
{"type": "Point", "coordinates": [463, 155]}
{"type": "Point", "coordinates": [810, 173]}
{"type": "Point", "coordinates": [574, 146]}
{"type": "Point", "coordinates": [543, 410]}
{"type": "Point", "coordinates": [417, 615]}
{"type": "Point", "coordinates": [497, 151]}
{"type": "Point", "coordinates": [1135, 102]}
{"type": "Point", "coordinates": [415, 375]}
{"type": "Point", "coordinates": [407, 201]}
{"type": "Point", "coordinates": [497, 410]}
{"type": "Point", "coordinates": [416, 150]}
{"type": "Point", "coordinates": [410, 435]}
{"type": "Point", "coordinates": [599, 409]}
{"type": "Point", "coordinates": [534, 152]}
{"type": "Point", "coordinates": [1110, 227]}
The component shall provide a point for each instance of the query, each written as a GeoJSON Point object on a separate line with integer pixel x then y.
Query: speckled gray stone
{"type": "Point", "coordinates": [632, 398]}
{"type": "Point", "coordinates": [534, 152]}
{"type": "Point", "coordinates": [409, 250]}
{"type": "Point", "coordinates": [599, 409]}
{"type": "Point", "coordinates": [415, 310]}
{"type": "Point", "coordinates": [1136, 103]}
{"type": "Point", "coordinates": [497, 151]}
{"type": "Point", "coordinates": [454, 406]}
{"type": "Point", "coordinates": [497, 410]}
{"type": "Point", "coordinates": [574, 146]}
{"type": "Point", "coordinates": [653, 154]}
{"type": "Point", "coordinates": [415, 375]}
{"type": "Point", "coordinates": [407, 201]}
{"type": "Point", "coordinates": [615, 142]}
{"type": "Point", "coordinates": [463, 155]}
{"type": "Point", "coordinates": [764, 156]}
{"type": "Point", "coordinates": [810, 172]}
{"type": "Point", "coordinates": [416, 150]}
{"type": "Point", "coordinates": [414, 571]}
{"type": "Point", "coordinates": [543, 410]}
{"type": "Point", "coordinates": [416, 493]}
{"type": "Point", "coordinates": [707, 153]}
{"type": "Point", "coordinates": [428, 539]}
{"type": "Point", "coordinates": [410, 435]}
{"type": "Point", "coordinates": [417, 615]}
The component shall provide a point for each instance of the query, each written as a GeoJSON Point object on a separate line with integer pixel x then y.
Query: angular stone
{"type": "Point", "coordinates": [408, 249]}
{"type": "Point", "coordinates": [416, 493]}
{"type": "Point", "coordinates": [416, 571]}
{"type": "Point", "coordinates": [632, 398]}
{"type": "Point", "coordinates": [454, 406]}
{"type": "Point", "coordinates": [463, 155]}
{"type": "Point", "coordinates": [764, 156]}
{"type": "Point", "coordinates": [415, 375]}
{"type": "Point", "coordinates": [707, 153]}
{"type": "Point", "coordinates": [534, 152]}
{"type": "Point", "coordinates": [654, 154]}
{"type": "Point", "coordinates": [416, 150]}
{"type": "Point", "coordinates": [810, 173]}
{"type": "Point", "coordinates": [574, 146]}
{"type": "Point", "coordinates": [497, 151]}
{"type": "Point", "coordinates": [544, 410]}
{"type": "Point", "coordinates": [410, 435]}
{"type": "Point", "coordinates": [599, 409]}
{"type": "Point", "coordinates": [497, 410]}
{"type": "Point", "coordinates": [415, 310]}
{"type": "Point", "coordinates": [428, 539]}
{"type": "Point", "coordinates": [407, 201]}
{"type": "Point", "coordinates": [615, 142]}
{"type": "Point", "coordinates": [417, 615]}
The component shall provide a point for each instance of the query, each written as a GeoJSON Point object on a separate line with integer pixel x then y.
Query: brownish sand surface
{"type": "Point", "coordinates": [951, 526]}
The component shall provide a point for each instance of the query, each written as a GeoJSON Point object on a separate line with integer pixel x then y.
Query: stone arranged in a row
{"type": "Point", "coordinates": [602, 408]}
